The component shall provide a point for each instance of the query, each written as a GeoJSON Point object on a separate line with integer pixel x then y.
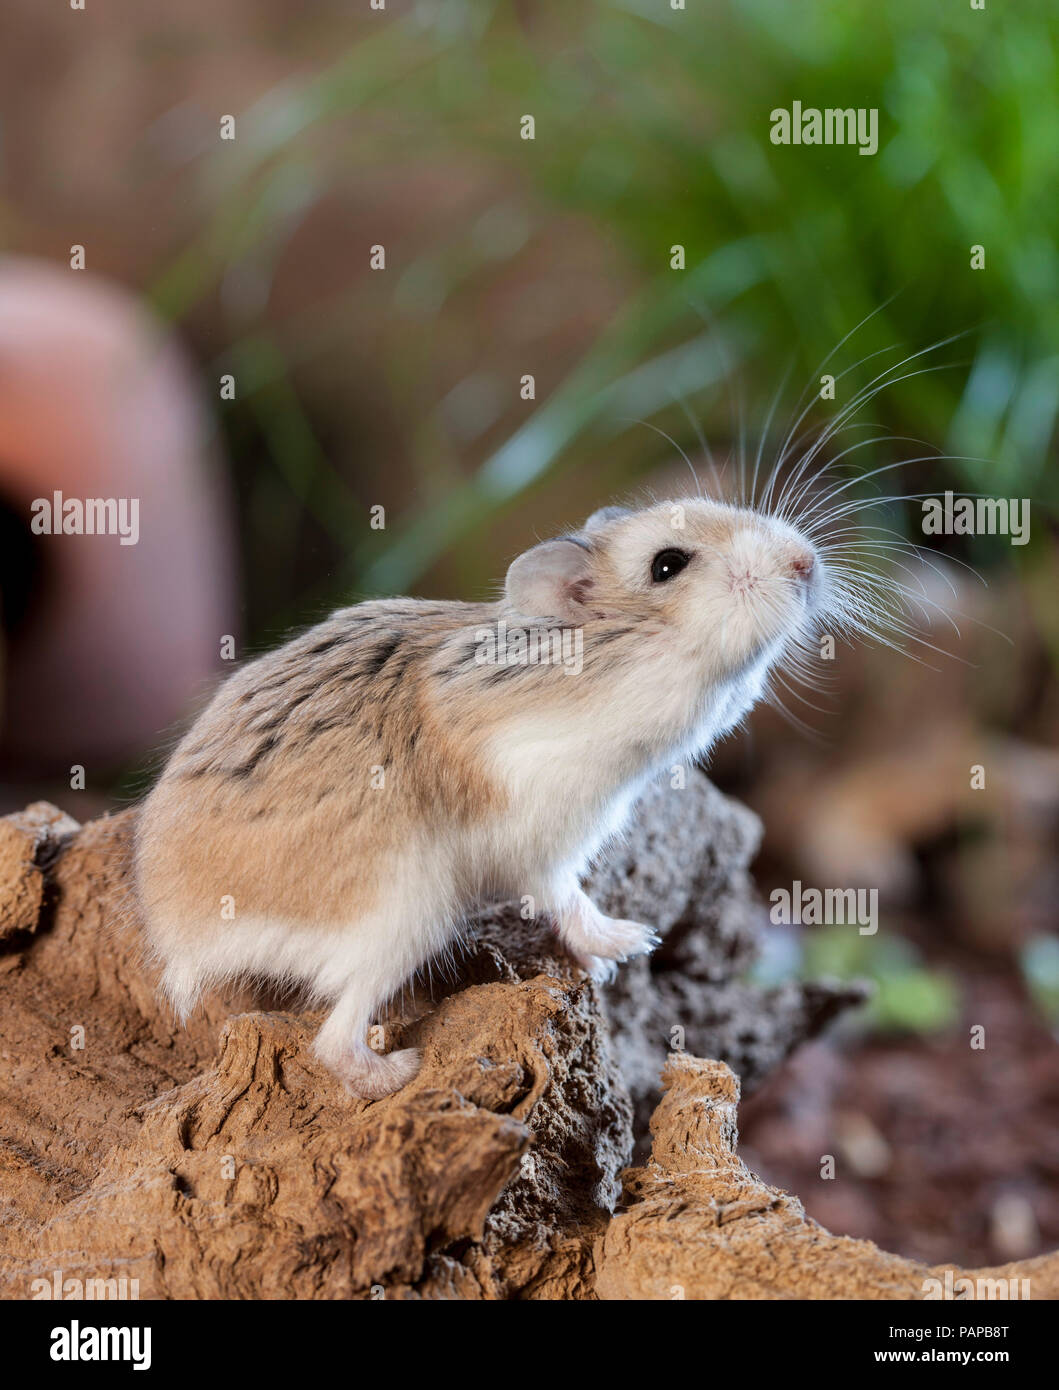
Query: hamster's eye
{"type": "Point", "coordinates": [667, 563]}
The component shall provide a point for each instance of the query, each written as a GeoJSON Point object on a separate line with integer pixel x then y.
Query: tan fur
{"type": "Point", "coordinates": [275, 777]}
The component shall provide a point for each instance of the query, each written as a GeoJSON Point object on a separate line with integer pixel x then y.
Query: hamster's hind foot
{"type": "Point", "coordinates": [341, 1046]}
{"type": "Point", "coordinates": [371, 1075]}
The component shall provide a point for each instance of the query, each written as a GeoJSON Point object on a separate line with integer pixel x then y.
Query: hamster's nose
{"type": "Point", "coordinates": [803, 565]}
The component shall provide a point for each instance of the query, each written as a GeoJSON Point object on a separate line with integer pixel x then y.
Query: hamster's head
{"type": "Point", "coordinates": [732, 586]}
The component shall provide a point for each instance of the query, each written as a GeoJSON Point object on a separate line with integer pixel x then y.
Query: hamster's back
{"type": "Point", "coordinates": [308, 770]}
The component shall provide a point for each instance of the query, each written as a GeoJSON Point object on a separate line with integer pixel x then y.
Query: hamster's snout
{"type": "Point", "coordinates": [763, 552]}
{"type": "Point", "coordinates": [774, 581]}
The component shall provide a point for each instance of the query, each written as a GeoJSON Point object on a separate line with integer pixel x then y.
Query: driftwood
{"type": "Point", "coordinates": [222, 1161]}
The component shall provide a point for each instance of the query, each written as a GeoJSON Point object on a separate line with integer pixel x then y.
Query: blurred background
{"type": "Point", "coordinates": [230, 357]}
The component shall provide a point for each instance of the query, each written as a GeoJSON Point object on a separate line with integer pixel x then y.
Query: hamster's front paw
{"type": "Point", "coordinates": [620, 940]}
{"type": "Point", "coordinates": [372, 1075]}
{"type": "Point", "coordinates": [587, 933]}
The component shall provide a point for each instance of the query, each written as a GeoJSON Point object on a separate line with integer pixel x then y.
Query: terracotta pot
{"type": "Point", "coordinates": [108, 643]}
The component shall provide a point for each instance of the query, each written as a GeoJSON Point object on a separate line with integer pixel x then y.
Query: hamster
{"type": "Point", "coordinates": [353, 795]}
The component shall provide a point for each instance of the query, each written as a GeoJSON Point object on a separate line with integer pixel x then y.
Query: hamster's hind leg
{"type": "Point", "coordinates": [341, 1042]}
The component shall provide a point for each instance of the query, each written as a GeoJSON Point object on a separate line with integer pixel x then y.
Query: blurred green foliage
{"type": "Point", "coordinates": [908, 996]}
{"type": "Point", "coordinates": [652, 126]}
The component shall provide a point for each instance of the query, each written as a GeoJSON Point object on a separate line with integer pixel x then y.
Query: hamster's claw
{"type": "Point", "coordinates": [651, 943]}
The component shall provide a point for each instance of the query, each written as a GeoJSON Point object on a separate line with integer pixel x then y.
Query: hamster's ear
{"type": "Point", "coordinates": [550, 580]}
{"type": "Point", "coordinates": [605, 514]}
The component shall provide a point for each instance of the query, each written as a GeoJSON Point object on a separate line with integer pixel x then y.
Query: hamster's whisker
{"type": "Point", "coordinates": [858, 402]}
{"type": "Point", "coordinates": [815, 375]}
{"type": "Point", "coordinates": [736, 425]}
{"type": "Point", "coordinates": [850, 508]}
{"type": "Point", "coordinates": [763, 437]}
{"type": "Point", "coordinates": [889, 467]}
{"type": "Point", "coordinates": [772, 697]}
{"type": "Point", "coordinates": [669, 438]}
{"type": "Point", "coordinates": [740, 442]}
{"type": "Point", "coordinates": [873, 607]}
{"type": "Point", "coordinates": [815, 434]}
{"type": "Point", "coordinates": [921, 551]}
{"type": "Point", "coordinates": [878, 384]}
{"type": "Point", "coordinates": [886, 583]}
{"type": "Point", "coordinates": [806, 667]}
{"type": "Point", "coordinates": [923, 601]}
{"type": "Point", "coordinates": [795, 501]}
{"type": "Point", "coordinates": [886, 549]}
{"type": "Point", "coordinates": [805, 676]}
{"type": "Point", "coordinates": [704, 443]}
